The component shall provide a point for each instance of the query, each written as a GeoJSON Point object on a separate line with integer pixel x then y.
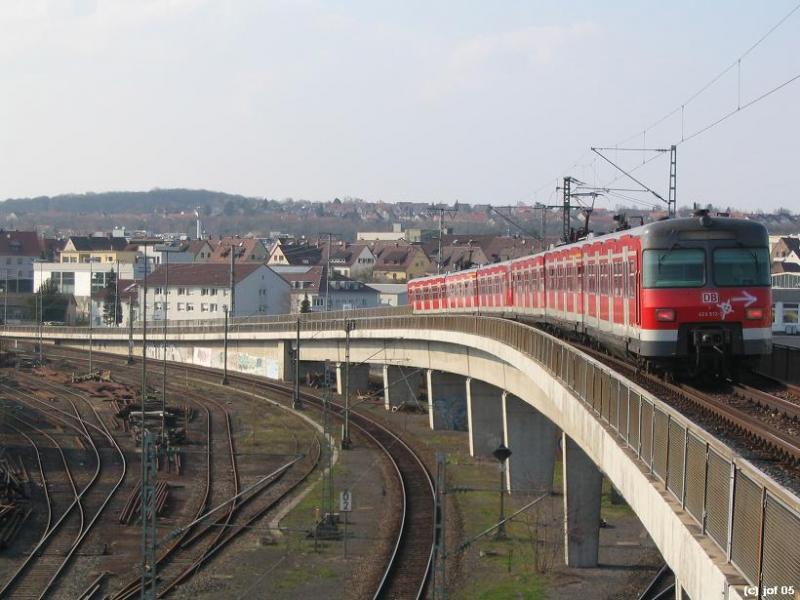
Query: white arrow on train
{"type": "Point", "coordinates": [748, 298]}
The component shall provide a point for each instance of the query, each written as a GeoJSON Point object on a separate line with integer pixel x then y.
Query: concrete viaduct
{"type": "Point", "coordinates": [720, 523]}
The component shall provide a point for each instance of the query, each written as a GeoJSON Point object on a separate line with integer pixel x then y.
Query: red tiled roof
{"type": "Point", "coordinates": [192, 274]}
{"type": "Point", "coordinates": [20, 243]}
{"type": "Point", "coordinates": [244, 248]}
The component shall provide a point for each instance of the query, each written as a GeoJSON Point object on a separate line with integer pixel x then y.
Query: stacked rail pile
{"type": "Point", "coordinates": [174, 419]}
{"type": "Point", "coordinates": [133, 506]}
{"type": "Point", "coordinates": [14, 500]}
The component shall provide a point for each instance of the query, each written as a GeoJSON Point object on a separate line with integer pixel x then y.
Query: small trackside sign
{"type": "Point", "coordinates": [345, 501]}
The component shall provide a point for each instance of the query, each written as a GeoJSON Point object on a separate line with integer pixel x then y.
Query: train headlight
{"type": "Point", "coordinates": [665, 314]}
{"type": "Point", "coordinates": [754, 314]}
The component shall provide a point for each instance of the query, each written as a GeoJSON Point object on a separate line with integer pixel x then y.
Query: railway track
{"type": "Point", "coordinates": [409, 565]}
{"type": "Point", "coordinates": [195, 546]}
{"type": "Point", "coordinates": [407, 572]}
{"type": "Point", "coordinates": [40, 573]}
{"type": "Point", "coordinates": [719, 406]}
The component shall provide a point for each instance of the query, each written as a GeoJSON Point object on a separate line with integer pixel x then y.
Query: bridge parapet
{"type": "Point", "coordinates": [752, 519]}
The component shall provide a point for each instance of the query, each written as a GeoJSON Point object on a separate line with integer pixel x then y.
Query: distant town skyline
{"type": "Point", "coordinates": [397, 102]}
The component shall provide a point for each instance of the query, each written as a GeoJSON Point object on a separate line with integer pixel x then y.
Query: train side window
{"type": "Point", "coordinates": [632, 278]}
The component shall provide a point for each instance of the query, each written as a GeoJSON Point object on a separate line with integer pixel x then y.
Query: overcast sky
{"type": "Point", "coordinates": [405, 100]}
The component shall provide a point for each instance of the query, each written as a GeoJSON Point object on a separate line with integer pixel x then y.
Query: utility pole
{"type": "Point", "coordinates": [440, 210]}
{"type": "Point", "coordinates": [144, 340]}
{"type": "Point", "coordinates": [672, 207]}
{"type": "Point", "coordinates": [116, 295]}
{"type": "Point", "coordinates": [91, 310]}
{"type": "Point", "coordinates": [327, 270]}
{"type": "Point", "coordinates": [130, 331]}
{"type": "Point", "coordinates": [327, 528]}
{"type": "Point", "coordinates": [233, 285]}
{"type": "Point", "coordinates": [165, 254]}
{"type": "Point", "coordinates": [225, 348]}
{"type": "Point", "coordinates": [297, 403]}
{"type": "Point", "coordinates": [148, 583]}
{"type": "Point", "coordinates": [347, 443]}
{"type": "Point", "coordinates": [439, 548]}
{"type": "Point", "coordinates": [566, 230]}
{"type": "Point", "coordinates": [148, 510]}
{"type": "Point", "coordinates": [41, 312]}
{"type": "Point", "coordinates": [544, 227]}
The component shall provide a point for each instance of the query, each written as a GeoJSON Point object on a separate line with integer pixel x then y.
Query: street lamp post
{"type": "Point", "coordinates": [502, 454]}
{"type": "Point", "coordinates": [346, 441]}
{"type": "Point", "coordinates": [165, 250]}
{"type": "Point", "coordinates": [91, 312]}
{"type": "Point", "coordinates": [41, 311]}
{"type": "Point", "coordinates": [297, 403]}
{"type": "Point", "coordinates": [225, 348]}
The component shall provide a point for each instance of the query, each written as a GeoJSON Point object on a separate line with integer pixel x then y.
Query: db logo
{"type": "Point", "coordinates": [710, 297]}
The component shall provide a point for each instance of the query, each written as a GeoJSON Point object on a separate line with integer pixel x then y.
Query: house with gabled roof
{"type": "Point", "coordinates": [245, 249]}
{"type": "Point", "coordinates": [203, 291]}
{"type": "Point", "coordinates": [401, 262]}
{"type": "Point", "coordinates": [18, 251]}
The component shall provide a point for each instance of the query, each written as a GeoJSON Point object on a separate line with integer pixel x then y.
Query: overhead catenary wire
{"type": "Point", "coordinates": [681, 108]}
{"type": "Point", "coordinates": [736, 63]}
{"type": "Point", "coordinates": [739, 109]}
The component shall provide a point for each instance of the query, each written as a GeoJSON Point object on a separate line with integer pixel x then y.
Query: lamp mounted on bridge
{"type": "Point", "coordinates": [502, 453]}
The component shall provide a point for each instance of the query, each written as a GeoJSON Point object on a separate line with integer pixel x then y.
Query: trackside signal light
{"type": "Point", "coordinates": [754, 314]}
{"type": "Point", "coordinates": [665, 314]}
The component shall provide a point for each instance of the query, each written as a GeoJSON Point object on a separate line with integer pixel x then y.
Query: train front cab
{"type": "Point", "coordinates": [705, 297]}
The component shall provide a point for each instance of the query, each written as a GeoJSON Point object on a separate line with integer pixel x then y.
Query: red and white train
{"type": "Point", "coordinates": [682, 293]}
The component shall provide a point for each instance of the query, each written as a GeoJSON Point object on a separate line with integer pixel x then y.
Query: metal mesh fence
{"type": "Point", "coordinates": [646, 432]}
{"type": "Point", "coordinates": [675, 459]}
{"type": "Point", "coordinates": [745, 539]}
{"type": "Point", "coordinates": [695, 492]}
{"type": "Point", "coordinates": [781, 561]}
{"type": "Point", "coordinates": [718, 488]}
{"type": "Point", "coordinates": [660, 441]}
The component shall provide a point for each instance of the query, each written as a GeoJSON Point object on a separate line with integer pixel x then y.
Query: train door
{"type": "Point", "coordinates": [598, 279]}
{"type": "Point", "coordinates": [635, 283]}
{"type": "Point", "coordinates": [472, 290]}
{"type": "Point", "coordinates": [626, 291]}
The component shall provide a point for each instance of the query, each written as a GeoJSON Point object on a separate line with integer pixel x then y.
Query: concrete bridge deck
{"type": "Point", "coordinates": [721, 524]}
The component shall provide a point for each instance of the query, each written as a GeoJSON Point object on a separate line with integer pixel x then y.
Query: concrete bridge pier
{"type": "Point", "coordinates": [359, 378]}
{"type": "Point", "coordinates": [447, 400]}
{"type": "Point", "coordinates": [533, 440]}
{"type": "Point", "coordinates": [583, 487]}
{"type": "Point", "coordinates": [485, 417]}
{"type": "Point", "coordinates": [400, 385]}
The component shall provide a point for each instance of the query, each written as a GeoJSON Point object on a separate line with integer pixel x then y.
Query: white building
{"type": "Point", "coordinates": [396, 233]}
{"type": "Point", "coordinates": [202, 291]}
{"type": "Point", "coordinates": [391, 294]}
{"type": "Point", "coordinates": [786, 310]}
{"type": "Point", "coordinates": [309, 283]}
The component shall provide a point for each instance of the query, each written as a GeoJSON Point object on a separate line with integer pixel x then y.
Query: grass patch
{"type": "Point", "coordinates": [304, 514]}
{"type": "Point", "coordinates": [609, 510]}
{"type": "Point", "coordinates": [526, 586]}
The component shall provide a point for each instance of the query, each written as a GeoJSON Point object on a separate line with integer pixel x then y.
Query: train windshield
{"type": "Point", "coordinates": [741, 266]}
{"type": "Point", "coordinates": [674, 268]}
